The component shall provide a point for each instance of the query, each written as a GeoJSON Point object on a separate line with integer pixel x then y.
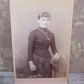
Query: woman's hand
{"type": "Point", "coordinates": [32, 66]}
{"type": "Point", "coordinates": [55, 58]}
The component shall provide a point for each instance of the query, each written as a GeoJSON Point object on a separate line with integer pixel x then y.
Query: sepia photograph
{"type": "Point", "coordinates": [41, 37]}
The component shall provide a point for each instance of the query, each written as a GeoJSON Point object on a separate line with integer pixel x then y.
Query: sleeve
{"type": "Point", "coordinates": [53, 45]}
{"type": "Point", "coordinates": [31, 46]}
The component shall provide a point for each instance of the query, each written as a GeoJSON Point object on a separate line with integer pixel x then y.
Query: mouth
{"type": "Point", "coordinates": [46, 24]}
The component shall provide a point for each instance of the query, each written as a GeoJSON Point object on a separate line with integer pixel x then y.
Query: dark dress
{"type": "Point", "coordinates": [38, 51]}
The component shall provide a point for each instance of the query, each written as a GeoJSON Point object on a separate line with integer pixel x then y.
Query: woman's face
{"type": "Point", "coordinates": [44, 22]}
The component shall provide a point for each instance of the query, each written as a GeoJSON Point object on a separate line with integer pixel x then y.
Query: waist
{"type": "Point", "coordinates": [42, 56]}
{"type": "Point", "coordinates": [41, 47]}
{"type": "Point", "coordinates": [42, 52]}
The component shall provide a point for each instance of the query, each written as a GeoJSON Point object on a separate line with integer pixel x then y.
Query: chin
{"type": "Point", "coordinates": [45, 26]}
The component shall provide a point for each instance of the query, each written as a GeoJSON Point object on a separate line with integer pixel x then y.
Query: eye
{"type": "Point", "coordinates": [43, 19]}
{"type": "Point", "coordinates": [48, 19]}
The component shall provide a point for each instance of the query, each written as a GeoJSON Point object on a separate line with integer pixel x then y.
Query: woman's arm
{"type": "Point", "coordinates": [31, 46]}
{"type": "Point", "coordinates": [53, 45]}
{"type": "Point", "coordinates": [56, 56]}
{"type": "Point", "coordinates": [30, 51]}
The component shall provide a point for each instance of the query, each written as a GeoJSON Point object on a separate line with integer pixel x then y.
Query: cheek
{"type": "Point", "coordinates": [42, 22]}
{"type": "Point", "coordinates": [48, 22]}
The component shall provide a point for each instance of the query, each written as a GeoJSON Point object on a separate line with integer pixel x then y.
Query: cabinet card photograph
{"type": "Point", "coordinates": [41, 37]}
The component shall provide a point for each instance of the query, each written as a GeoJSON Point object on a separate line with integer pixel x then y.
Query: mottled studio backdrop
{"type": "Point", "coordinates": [77, 44]}
{"type": "Point", "coordinates": [5, 37]}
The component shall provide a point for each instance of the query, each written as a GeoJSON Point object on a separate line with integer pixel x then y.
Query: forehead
{"type": "Point", "coordinates": [45, 18]}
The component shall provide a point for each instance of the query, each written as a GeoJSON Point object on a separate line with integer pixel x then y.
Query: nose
{"type": "Point", "coordinates": [46, 22]}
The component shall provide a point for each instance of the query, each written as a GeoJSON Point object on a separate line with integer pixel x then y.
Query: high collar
{"type": "Point", "coordinates": [44, 29]}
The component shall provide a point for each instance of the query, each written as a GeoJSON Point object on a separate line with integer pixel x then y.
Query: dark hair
{"type": "Point", "coordinates": [44, 14]}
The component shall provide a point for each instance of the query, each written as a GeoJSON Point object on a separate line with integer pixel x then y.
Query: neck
{"type": "Point", "coordinates": [44, 29]}
{"type": "Point", "coordinates": [43, 26]}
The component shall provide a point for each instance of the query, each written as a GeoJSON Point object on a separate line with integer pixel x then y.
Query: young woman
{"type": "Point", "coordinates": [38, 48]}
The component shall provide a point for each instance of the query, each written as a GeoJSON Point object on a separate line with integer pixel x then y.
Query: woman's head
{"type": "Point", "coordinates": [44, 19]}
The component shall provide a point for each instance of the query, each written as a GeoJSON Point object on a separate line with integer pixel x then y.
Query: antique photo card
{"type": "Point", "coordinates": [41, 36]}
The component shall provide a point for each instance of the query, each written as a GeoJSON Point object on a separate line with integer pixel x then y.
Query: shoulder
{"type": "Point", "coordinates": [33, 32]}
